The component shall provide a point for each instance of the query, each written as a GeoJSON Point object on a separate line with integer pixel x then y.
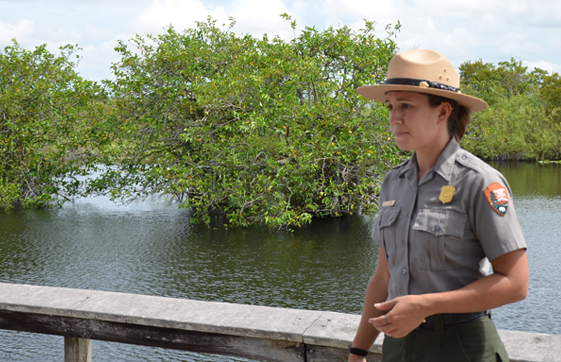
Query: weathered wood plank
{"type": "Point", "coordinates": [255, 332]}
{"type": "Point", "coordinates": [336, 330]}
{"type": "Point", "coordinates": [245, 347]}
{"type": "Point", "coordinates": [531, 347]}
{"type": "Point", "coordinates": [195, 315]}
{"type": "Point", "coordinates": [324, 354]}
{"type": "Point", "coordinates": [77, 349]}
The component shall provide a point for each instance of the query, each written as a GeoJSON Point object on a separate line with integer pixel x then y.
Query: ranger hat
{"type": "Point", "coordinates": [422, 71]}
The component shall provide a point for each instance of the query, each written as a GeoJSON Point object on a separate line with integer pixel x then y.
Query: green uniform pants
{"type": "Point", "coordinates": [476, 341]}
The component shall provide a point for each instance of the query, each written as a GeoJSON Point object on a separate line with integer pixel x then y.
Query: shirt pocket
{"type": "Point", "coordinates": [438, 238]}
{"type": "Point", "coordinates": [387, 225]}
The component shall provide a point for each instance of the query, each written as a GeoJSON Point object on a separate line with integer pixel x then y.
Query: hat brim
{"type": "Point", "coordinates": [378, 93]}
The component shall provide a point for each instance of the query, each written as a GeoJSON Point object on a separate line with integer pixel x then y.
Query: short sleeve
{"type": "Point", "coordinates": [494, 217]}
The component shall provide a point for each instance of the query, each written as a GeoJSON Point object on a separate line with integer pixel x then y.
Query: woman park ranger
{"type": "Point", "coordinates": [444, 218]}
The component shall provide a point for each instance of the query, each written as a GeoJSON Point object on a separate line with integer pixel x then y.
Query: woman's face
{"type": "Point", "coordinates": [415, 124]}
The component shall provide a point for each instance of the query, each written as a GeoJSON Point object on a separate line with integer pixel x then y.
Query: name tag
{"type": "Point", "coordinates": [388, 203]}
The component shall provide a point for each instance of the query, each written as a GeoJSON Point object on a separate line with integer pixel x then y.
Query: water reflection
{"type": "Point", "coordinates": [94, 244]}
{"type": "Point", "coordinates": [537, 191]}
{"type": "Point", "coordinates": [530, 179]}
{"type": "Point", "coordinates": [151, 248]}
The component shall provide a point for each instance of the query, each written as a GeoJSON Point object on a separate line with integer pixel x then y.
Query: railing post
{"type": "Point", "coordinates": [77, 349]}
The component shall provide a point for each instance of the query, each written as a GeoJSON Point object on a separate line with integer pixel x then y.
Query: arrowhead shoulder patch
{"type": "Point", "coordinates": [497, 195]}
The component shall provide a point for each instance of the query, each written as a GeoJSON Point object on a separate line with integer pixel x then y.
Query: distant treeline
{"type": "Point", "coordinates": [251, 130]}
{"type": "Point", "coordinates": [523, 121]}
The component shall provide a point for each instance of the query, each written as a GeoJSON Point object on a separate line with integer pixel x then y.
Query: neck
{"type": "Point", "coordinates": [427, 157]}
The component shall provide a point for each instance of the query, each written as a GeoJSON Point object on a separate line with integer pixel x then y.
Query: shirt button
{"type": "Point", "coordinates": [464, 157]}
{"type": "Point", "coordinates": [404, 242]}
{"type": "Point", "coordinates": [437, 228]}
{"type": "Point", "coordinates": [403, 271]}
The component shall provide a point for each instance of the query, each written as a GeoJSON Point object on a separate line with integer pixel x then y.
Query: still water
{"type": "Point", "coordinates": [151, 248]}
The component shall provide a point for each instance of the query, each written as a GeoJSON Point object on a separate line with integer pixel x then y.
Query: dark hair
{"type": "Point", "coordinates": [459, 118]}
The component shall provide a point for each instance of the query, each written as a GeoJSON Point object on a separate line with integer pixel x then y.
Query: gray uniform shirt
{"type": "Point", "coordinates": [433, 245]}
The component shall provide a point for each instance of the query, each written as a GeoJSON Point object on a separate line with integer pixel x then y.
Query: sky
{"type": "Point", "coordinates": [466, 30]}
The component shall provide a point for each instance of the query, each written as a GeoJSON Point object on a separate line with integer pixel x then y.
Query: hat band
{"type": "Point", "coordinates": [422, 83]}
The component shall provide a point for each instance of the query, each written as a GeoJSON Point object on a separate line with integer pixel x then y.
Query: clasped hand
{"type": "Point", "coordinates": [404, 314]}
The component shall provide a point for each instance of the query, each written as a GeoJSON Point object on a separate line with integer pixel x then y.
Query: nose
{"type": "Point", "coordinates": [395, 116]}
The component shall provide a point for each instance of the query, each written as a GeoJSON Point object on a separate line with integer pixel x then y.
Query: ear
{"type": "Point", "coordinates": [444, 111]}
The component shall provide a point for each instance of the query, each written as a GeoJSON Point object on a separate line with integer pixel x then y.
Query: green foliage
{"type": "Point", "coordinates": [550, 92]}
{"type": "Point", "coordinates": [260, 130]}
{"type": "Point", "coordinates": [45, 113]}
{"type": "Point", "coordinates": [522, 122]}
{"type": "Point", "coordinates": [515, 128]}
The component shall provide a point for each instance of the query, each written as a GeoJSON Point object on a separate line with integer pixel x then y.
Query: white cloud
{"type": "Point", "coordinates": [337, 9]}
{"type": "Point", "coordinates": [518, 46]}
{"type": "Point", "coordinates": [60, 34]}
{"type": "Point", "coordinates": [20, 31]}
{"type": "Point", "coordinates": [96, 61]}
{"type": "Point", "coordinates": [353, 13]}
{"type": "Point", "coordinates": [491, 30]}
{"type": "Point", "coordinates": [444, 10]}
{"type": "Point", "coordinates": [547, 66]}
{"type": "Point", "coordinates": [179, 13]}
{"type": "Point", "coordinates": [97, 32]}
{"type": "Point", "coordinates": [258, 17]}
{"type": "Point", "coordinates": [541, 14]}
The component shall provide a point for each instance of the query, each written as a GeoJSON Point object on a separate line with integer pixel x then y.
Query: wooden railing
{"type": "Point", "coordinates": [253, 332]}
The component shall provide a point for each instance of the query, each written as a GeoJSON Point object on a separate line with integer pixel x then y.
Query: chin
{"type": "Point", "coordinates": [404, 146]}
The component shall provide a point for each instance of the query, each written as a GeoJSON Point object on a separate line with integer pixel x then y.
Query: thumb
{"type": "Point", "coordinates": [385, 305]}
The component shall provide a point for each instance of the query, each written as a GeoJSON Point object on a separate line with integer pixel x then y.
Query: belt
{"type": "Point", "coordinates": [439, 321]}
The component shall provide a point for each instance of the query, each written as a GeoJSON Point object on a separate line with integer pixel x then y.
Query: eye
{"type": "Point", "coordinates": [405, 106]}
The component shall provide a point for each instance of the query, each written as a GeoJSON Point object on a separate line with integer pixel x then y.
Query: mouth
{"type": "Point", "coordinates": [400, 134]}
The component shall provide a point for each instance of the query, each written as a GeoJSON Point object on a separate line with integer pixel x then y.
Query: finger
{"type": "Point", "coordinates": [388, 329]}
{"type": "Point", "coordinates": [386, 305]}
{"type": "Point", "coordinates": [395, 332]}
{"type": "Point", "coordinates": [386, 318]}
{"type": "Point", "coordinates": [381, 327]}
{"type": "Point", "coordinates": [379, 321]}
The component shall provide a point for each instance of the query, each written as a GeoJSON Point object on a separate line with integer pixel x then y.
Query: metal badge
{"type": "Point", "coordinates": [446, 194]}
{"type": "Point", "coordinates": [388, 203]}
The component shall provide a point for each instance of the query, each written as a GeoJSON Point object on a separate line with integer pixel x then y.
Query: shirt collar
{"type": "Point", "coordinates": [409, 166]}
{"type": "Point", "coordinates": [444, 163]}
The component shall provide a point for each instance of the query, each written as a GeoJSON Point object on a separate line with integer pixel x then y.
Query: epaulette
{"type": "Point", "coordinates": [466, 159]}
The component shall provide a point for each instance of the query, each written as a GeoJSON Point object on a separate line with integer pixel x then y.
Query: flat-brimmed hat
{"type": "Point", "coordinates": [422, 71]}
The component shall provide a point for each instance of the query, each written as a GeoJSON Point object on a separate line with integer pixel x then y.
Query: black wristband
{"type": "Point", "coordinates": [358, 351]}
